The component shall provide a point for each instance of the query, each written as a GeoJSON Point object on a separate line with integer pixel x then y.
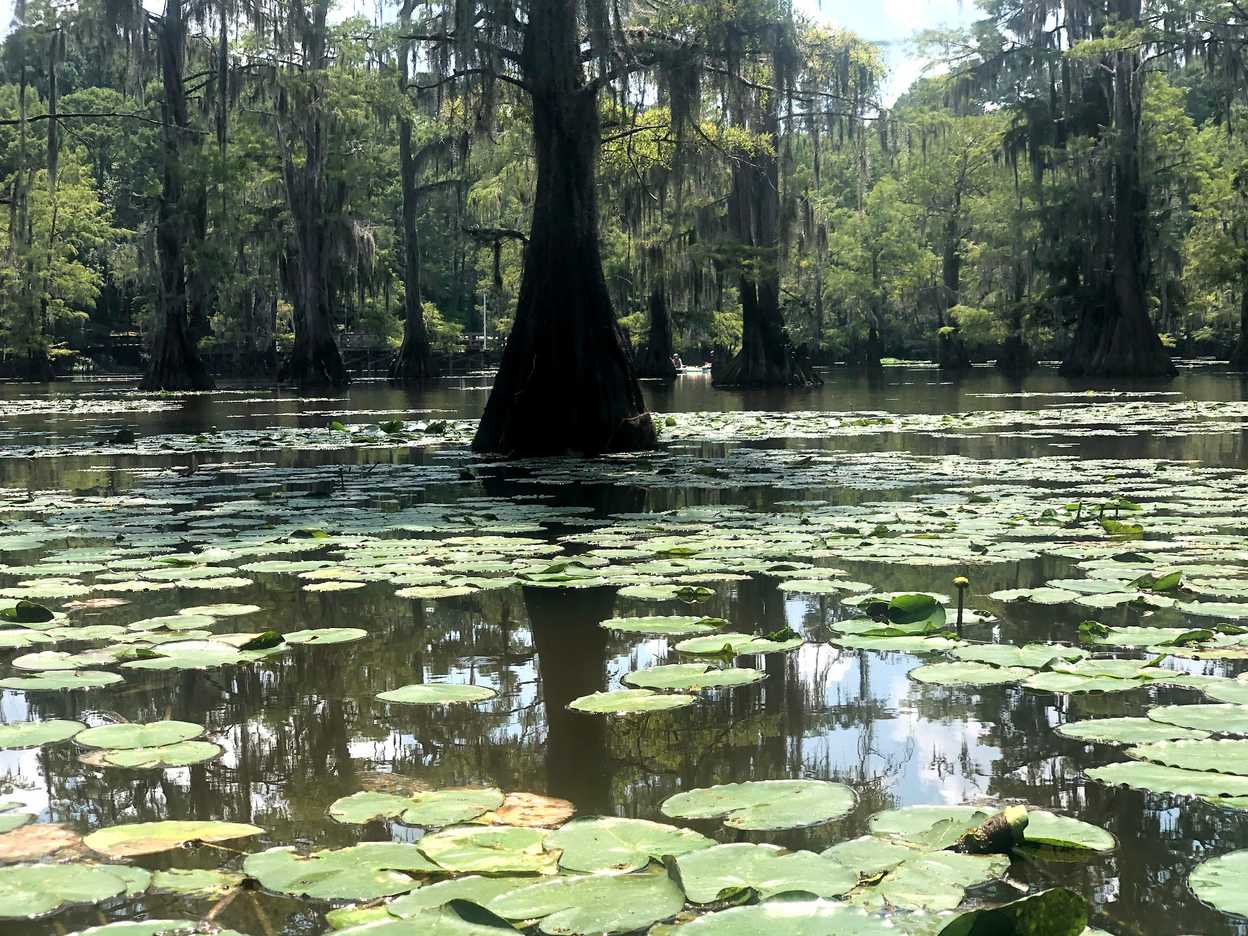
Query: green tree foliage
{"type": "Point", "coordinates": [356, 182]}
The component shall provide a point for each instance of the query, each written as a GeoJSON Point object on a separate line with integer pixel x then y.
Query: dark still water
{"type": "Point", "coordinates": [215, 480]}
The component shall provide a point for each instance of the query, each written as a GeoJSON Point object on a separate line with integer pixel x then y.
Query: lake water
{"type": "Point", "coordinates": [304, 728]}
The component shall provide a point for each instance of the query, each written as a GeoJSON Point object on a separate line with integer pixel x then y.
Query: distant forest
{"type": "Point", "coordinates": [230, 188]}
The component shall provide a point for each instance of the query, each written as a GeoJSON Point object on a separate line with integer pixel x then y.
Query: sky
{"type": "Point", "coordinates": [892, 23]}
{"type": "Point", "coordinates": [889, 22]}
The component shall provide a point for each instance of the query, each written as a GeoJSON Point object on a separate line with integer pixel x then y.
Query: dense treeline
{"type": "Point", "coordinates": [249, 188]}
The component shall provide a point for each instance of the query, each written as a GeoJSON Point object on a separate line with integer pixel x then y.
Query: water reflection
{"type": "Point", "coordinates": [305, 728]}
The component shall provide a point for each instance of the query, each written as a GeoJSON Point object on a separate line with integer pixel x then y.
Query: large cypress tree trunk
{"type": "Point", "coordinates": [766, 358]}
{"type": "Point", "coordinates": [655, 357]}
{"type": "Point", "coordinates": [1122, 341]}
{"type": "Point", "coordinates": [566, 382]}
{"type": "Point", "coordinates": [314, 359]}
{"type": "Point", "coordinates": [414, 362]}
{"type": "Point", "coordinates": [1240, 358]}
{"type": "Point", "coordinates": [951, 353]}
{"type": "Point", "coordinates": [175, 362]}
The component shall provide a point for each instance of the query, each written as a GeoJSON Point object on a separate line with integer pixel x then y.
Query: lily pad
{"type": "Point", "coordinates": [671, 625]}
{"type": "Point", "coordinates": [1215, 719]}
{"type": "Point", "coordinates": [765, 805]}
{"type": "Point", "coordinates": [792, 918]}
{"type": "Point", "coordinates": [1055, 831]}
{"type": "Point", "coordinates": [149, 838]}
{"type": "Point", "coordinates": [613, 844]}
{"type": "Point", "coordinates": [629, 702]}
{"type": "Point", "coordinates": [531, 810]}
{"type": "Point", "coordinates": [594, 903]}
{"type": "Point", "coordinates": [30, 891]}
{"type": "Point", "coordinates": [131, 735]}
{"type": "Point", "coordinates": [1127, 731]}
{"type": "Point", "coordinates": [182, 754]}
{"type": "Point", "coordinates": [768, 870]}
{"type": "Point", "coordinates": [934, 827]}
{"type": "Point", "coordinates": [1228, 757]}
{"type": "Point", "coordinates": [490, 850]}
{"type": "Point", "coordinates": [437, 694]}
{"type": "Point", "coordinates": [870, 855]}
{"type": "Point", "coordinates": [969, 674]}
{"type": "Point", "coordinates": [1157, 778]}
{"type": "Point", "coordinates": [1222, 883]}
{"type": "Point", "coordinates": [1030, 656]}
{"type": "Point", "coordinates": [432, 809]}
{"type": "Point", "coordinates": [150, 928]}
{"type": "Point", "coordinates": [938, 879]}
{"type": "Point", "coordinates": [359, 872]}
{"type": "Point", "coordinates": [195, 882]}
{"type": "Point", "coordinates": [692, 677]}
{"type": "Point", "coordinates": [474, 888]}
{"type": "Point", "coordinates": [736, 645]}
{"type": "Point", "coordinates": [16, 736]}
{"type": "Point", "coordinates": [326, 635]}
{"type": "Point", "coordinates": [61, 681]}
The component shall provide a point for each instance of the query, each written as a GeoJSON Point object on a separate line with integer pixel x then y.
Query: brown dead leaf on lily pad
{"type": "Point", "coordinates": [530, 810]}
{"type": "Point", "coordinates": [41, 840]}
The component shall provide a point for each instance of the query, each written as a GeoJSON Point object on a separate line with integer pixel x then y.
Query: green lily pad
{"type": "Point", "coordinates": [593, 904]}
{"type": "Point", "coordinates": [21, 638]}
{"type": "Point", "coordinates": [30, 891]}
{"type": "Point", "coordinates": [670, 625]}
{"type": "Point", "coordinates": [195, 882]}
{"type": "Point", "coordinates": [326, 635]}
{"type": "Point", "coordinates": [1227, 690]}
{"type": "Point", "coordinates": [149, 838]}
{"type": "Point", "coordinates": [150, 928]}
{"type": "Point", "coordinates": [224, 609]}
{"type": "Point", "coordinates": [609, 843]}
{"type": "Point", "coordinates": [1157, 778]}
{"type": "Point", "coordinates": [1228, 757]}
{"type": "Point", "coordinates": [61, 681]}
{"type": "Point", "coordinates": [938, 879]}
{"type": "Point", "coordinates": [792, 918]}
{"type": "Point", "coordinates": [630, 702]}
{"type": "Point", "coordinates": [437, 694]}
{"type": "Point", "coordinates": [765, 805]}
{"type": "Point", "coordinates": [870, 855]}
{"type": "Point", "coordinates": [692, 677]}
{"type": "Point", "coordinates": [182, 754]}
{"type": "Point", "coordinates": [767, 870]}
{"type": "Point", "coordinates": [131, 735]}
{"type": "Point", "coordinates": [474, 889]}
{"type": "Point", "coordinates": [16, 736]}
{"type": "Point", "coordinates": [432, 809]}
{"type": "Point", "coordinates": [490, 850]}
{"type": "Point", "coordinates": [1127, 731]}
{"type": "Point", "coordinates": [1215, 719]}
{"type": "Point", "coordinates": [1222, 883]}
{"type": "Point", "coordinates": [361, 872]}
{"type": "Point", "coordinates": [445, 921]}
{"type": "Point", "coordinates": [1054, 831]}
{"type": "Point", "coordinates": [1029, 656]}
{"type": "Point", "coordinates": [1073, 683]}
{"type": "Point", "coordinates": [969, 674]}
{"type": "Point", "coordinates": [934, 827]}
{"type": "Point", "coordinates": [736, 645]}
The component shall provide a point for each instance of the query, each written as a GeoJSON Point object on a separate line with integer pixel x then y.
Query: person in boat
{"type": "Point", "coordinates": [677, 362]}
